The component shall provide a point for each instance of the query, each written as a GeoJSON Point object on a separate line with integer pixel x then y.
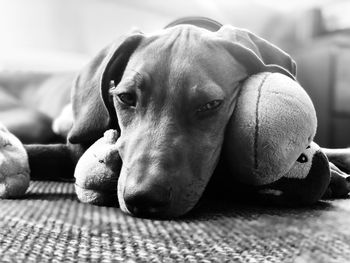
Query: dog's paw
{"type": "Point", "coordinates": [14, 166]}
{"type": "Point", "coordinates": [64, 122]}
{"type": "Point", "coordinates": [339, 186]}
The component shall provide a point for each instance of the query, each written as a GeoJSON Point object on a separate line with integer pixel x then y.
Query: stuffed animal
{"type": "Point", "coordinates": [269, 140]}
{"type": "Point", "coordinates": [96, 173]}
{"type": "Point", "coordinates": [14, 167]}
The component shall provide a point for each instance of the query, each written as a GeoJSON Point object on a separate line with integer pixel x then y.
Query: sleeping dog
{"type": "Point", "coordinates": [170, 95]}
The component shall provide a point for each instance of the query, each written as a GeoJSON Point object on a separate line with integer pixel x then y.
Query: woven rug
{"type": "Point", "coordinates": [50, 225]}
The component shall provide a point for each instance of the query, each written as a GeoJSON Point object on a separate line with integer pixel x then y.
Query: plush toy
{"type": "Point", "coordinates": [14, 167]}
{"type": "Point", "coordinates": [269, 140]}
{"type": "Point", "coordinates": [96, 174]}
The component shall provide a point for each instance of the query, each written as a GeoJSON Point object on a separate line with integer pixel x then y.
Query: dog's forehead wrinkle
{"type": "Point", "coordinates": [176, 61]}
{"type": "Point", "coordinates": [207, 90]}
{"type": "Point", "coordinates": [132, 78]}
{"type": "Point", "coordinates": [180, 35]}
{"type": "Point", "coordinates": [186, 49]}
{"type": "Point", "coordinates": [178, 42]}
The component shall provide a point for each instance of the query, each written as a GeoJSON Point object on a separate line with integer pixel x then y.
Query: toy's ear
{"type": "Point", "coordinates": [255, 53]}
{"type": "Point", "coordinates": [306, 181]}
{"type": "Point", "coordinates": [92, 111]}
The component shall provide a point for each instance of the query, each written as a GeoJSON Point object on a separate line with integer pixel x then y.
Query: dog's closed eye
{"type": "Point", "coordinates": [211, 105]}
{"type": "Point", "coordinates": [128, 99]}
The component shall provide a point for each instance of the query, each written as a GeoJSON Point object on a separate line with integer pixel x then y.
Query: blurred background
{"type": "Point", "coordinates": [44, 37]}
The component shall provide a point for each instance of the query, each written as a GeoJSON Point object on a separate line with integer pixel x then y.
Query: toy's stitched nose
{"type": "Point", "coordinates": [148, 201]}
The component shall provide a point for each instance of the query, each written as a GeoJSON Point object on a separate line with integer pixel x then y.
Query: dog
{"type": "Point", "coordinates": [170, 94]}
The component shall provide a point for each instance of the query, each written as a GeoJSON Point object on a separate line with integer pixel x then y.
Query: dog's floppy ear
{"type": "Point", "coordinates": [255, 53]}
{"type": "Point", "coordinates": [92, 112]}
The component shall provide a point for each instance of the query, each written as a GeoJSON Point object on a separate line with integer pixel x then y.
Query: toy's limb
{"type": "Point", "coordinates": [339, 157]}
{"type": "Point", "coordinates": [97, 172]}
{"type": "Point", "coordinates": [95, 181]}
{"type": "Point", "coordinates": [105, 197]}
{"type": "Point", "coordinates": [14, 167]}
{"type": "Point", "coordinates": [339, 187]}
{"type": "Point", "coordinates": [339, 162]}
{"type": "Point", "coordinates": [293, 191]}
{"type": "Point", "coordinates": [297, 188]}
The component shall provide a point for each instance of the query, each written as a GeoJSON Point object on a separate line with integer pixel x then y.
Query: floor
{"type": "Point", "coordinates": [50, 225]}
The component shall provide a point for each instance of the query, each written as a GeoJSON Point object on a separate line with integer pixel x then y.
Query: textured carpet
{"type": "Point", "coordinates": [50, 225]}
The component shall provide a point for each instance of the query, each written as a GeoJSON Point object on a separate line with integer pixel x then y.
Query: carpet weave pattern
{"type": "Point", "coordinates": [50, 225]}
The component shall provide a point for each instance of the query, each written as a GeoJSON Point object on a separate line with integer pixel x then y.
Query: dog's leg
{"type": "Point", "coordinates": [53, 161]}
{"type": "Point", "coordinates": [28, 125]}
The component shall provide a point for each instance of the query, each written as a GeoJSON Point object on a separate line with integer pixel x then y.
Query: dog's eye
{"type": "Point", "coordinates": [302, 158]}
{"type": "Point", "coordinates": [211, 105]}
{"type": "Point", "coordinates": [128, 99]}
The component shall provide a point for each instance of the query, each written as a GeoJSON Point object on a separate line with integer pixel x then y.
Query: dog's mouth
{"type": "Point", "coordinates": [159, 210]}
{"type": "Point", "coordinates": [171, 199]}
{"type": "Point", "coordinates": [149, 204]}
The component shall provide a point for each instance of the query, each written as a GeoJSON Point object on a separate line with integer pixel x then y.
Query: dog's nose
{"type": "Point", "coordinates": [147, 202]}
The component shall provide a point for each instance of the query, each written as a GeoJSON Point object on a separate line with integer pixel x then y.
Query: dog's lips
{"type": "Point", "coordinates": [172, 210]}
{"type": "Point", "coordinates": [182, 197]}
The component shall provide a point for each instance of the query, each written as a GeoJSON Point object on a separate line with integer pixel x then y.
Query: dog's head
{"type": "Point", "coordinates": [171, 95]}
